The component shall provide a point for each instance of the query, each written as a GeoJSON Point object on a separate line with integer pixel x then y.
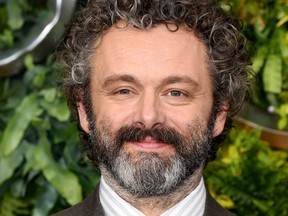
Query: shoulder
{"type": "Point", "coordinates": [90, 206]}
{"type": "Point", "coordinates": [212, 208]}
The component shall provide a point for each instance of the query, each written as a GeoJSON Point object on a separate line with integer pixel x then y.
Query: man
{"type": "Point", "coordinates": [154, 85]}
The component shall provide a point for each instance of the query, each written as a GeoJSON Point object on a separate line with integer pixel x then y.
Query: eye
{"type": "Point", "coordinates": [124, 91]}
{"type": "Point", "coordinates": [175, 93]}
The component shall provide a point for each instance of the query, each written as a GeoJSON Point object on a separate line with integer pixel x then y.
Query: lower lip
{"type": "Point", "coordinates": [150, 146]}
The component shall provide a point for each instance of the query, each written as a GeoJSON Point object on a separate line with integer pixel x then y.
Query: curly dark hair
{"type": "Point", "coordinates": [225, 45]}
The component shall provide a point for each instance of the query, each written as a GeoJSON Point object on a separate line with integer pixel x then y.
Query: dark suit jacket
{"type": "Point", "coordinates": [91, 206]}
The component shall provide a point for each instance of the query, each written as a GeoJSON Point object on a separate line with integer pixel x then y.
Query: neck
{"type": "Point", "coordinates": [155, 205]}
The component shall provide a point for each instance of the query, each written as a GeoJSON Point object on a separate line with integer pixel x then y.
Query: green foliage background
{"type": "Point", "coordinates": [17, 15]}
{"type": "Point", "coordinates": [266, 25]}
{"type": "Point", "coordinates": [249, 177]}
{"type": "Point", "coordinates": [43, 170]}
{"type": "Point", "coordinates": [41, 165]}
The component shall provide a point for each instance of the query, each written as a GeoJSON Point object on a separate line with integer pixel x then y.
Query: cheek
{"type": "Point", "coordinates": [107, 112]}
{"type": "Point", "coordinates": [180, 118]}
{"type": "Point", "coordinates": [113, 119]}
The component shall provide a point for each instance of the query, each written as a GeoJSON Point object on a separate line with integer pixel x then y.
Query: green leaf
{"type": "Point", "coordinates": [58, 109]}
{"type": "Point", "coordinates": [283, 116]}
{"type": "Point", "coordinates": [31, 162]}
{"type": "Point", "coordinates": [12, 206]}
{"type": "Point", "coordinates": [282, 21]}
{"type": "Point", "coordinates": [28, 61]}
{"type": "Point", "coordinates": [259, 59]}
{"type": "Point", "coordinates": [18, 188]}
{"type": "Point", "coordinates": [46, 201]}
{"type": "Point", "coordinates": [9, 164]}
{"type": "Point", "coordinates": [40, 76]}
{"type": "Point", "coordinates": [15, 20]}
{"type": "Point", "coordinates": [282, 123]}
{"type": "Point", "coordinates": [6, 39]}
{"type": "Point", "coordinates": [65, 182]}
{"type": "Point", "coordinates": [14, 131]}
{"type": "Point", "coordinates": [262, 205]}
{"type": "Point", "coordinates": [263, 158]}
{"type": "Point", "coordinates": [284, 51]}
{"type": "Point", "coordinates": [49, 94]}
{"type": "Point", "coordinates": [272, 74]}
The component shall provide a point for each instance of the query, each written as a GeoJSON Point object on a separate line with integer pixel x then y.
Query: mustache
{"type": "Point", "coordinates": [136, 134]}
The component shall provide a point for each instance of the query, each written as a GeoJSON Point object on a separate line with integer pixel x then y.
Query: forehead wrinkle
{"type": "Point", "coordinates": [116, 78]}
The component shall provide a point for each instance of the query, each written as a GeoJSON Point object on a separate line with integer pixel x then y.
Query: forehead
{"type": "Point", "coordinates": [154, 50]}
{"type": "Point", "coordinates": [160, 36]}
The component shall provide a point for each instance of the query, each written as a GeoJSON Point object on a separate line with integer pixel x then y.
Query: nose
{"type": "Point", "coordinates": [149, 113]}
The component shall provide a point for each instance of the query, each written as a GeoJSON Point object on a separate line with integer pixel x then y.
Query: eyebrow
{"type": "Point", "coordinates": [179, 79]}
{"type": "Point", "coordinates": [116, 78]}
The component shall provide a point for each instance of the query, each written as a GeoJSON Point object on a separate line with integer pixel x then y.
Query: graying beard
{"type": "Point", "coordinates": [150, 175]}
{"type": "Point", "coordinates": [147, 174]}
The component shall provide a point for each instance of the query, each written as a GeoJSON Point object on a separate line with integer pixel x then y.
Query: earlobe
{"type": "Point", "coordinates": [82, 117]}
{"type": "Point", "coordinates": [220, 121]}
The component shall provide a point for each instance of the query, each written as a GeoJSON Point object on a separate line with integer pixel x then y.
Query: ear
{"type": "Point", "coordinates": [220, 120]}
{"type": "Point", "coordinates": [82, 117]}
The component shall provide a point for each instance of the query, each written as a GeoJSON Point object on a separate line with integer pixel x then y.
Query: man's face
{"type": "Point", "coordinates": [151, 102]}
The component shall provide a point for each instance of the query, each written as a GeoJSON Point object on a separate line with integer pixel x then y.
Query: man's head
{"type": "Point", "coordinates": [154, 84]}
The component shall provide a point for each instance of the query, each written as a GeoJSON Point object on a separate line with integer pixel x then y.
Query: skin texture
{"type": "Point", "coordinates": [151, 79]}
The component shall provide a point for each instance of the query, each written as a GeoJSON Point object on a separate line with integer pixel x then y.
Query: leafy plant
{"type": "Point", "coordinates": [249, 177]}
{"type": "Point", "coordinates": [43, 171]}
{"type": "Point", "coordinates": [266, 25]}
{"type": "Point", "coordinates": [41, 165]}
{"type": "Point", "coordinates": [17, 18]}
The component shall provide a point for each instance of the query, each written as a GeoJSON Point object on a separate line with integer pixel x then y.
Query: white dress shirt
{"type": "Point", "coordinates": [114, 205]}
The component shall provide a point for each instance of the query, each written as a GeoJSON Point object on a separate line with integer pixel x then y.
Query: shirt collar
{"type": "Point", "coordinates": [191, 205]}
